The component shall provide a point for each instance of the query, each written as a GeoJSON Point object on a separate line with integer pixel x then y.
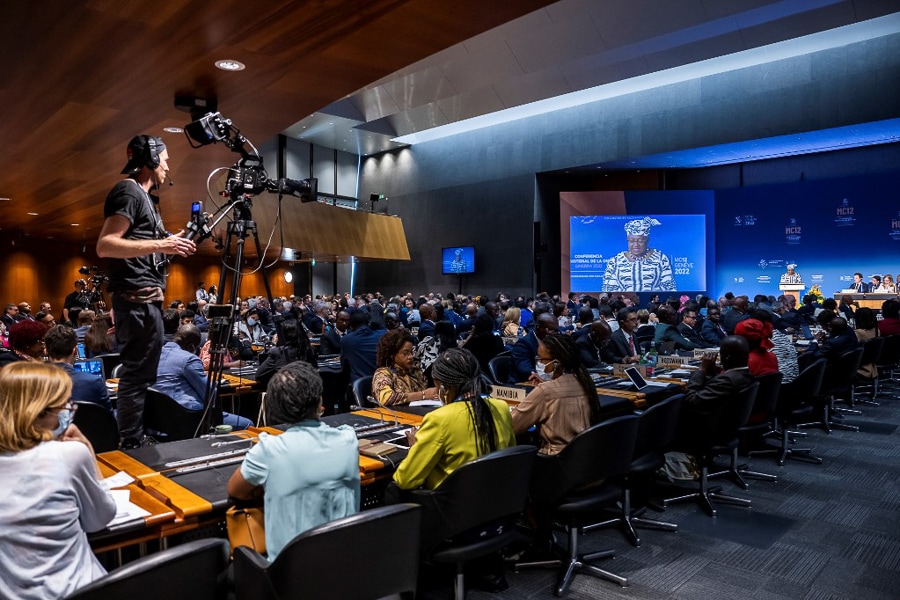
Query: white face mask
{"type": "Point", "coordinates": [541, 368]}
{"type": "Point", "coordinates": [65, 416]}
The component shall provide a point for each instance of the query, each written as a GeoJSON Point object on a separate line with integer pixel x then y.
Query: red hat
{"type": "Point", "coordinates": [754, 330]}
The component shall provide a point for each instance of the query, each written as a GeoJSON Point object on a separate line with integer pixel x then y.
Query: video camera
{"type": "Point", "coordinates": [249, 175]}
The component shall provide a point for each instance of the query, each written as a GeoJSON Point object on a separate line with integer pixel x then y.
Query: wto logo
{"type": "Point", "coordinates": [737, 221]}
{"type": "Point", "coordinates": [763, 264]}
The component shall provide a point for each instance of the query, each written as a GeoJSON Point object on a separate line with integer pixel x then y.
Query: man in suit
{"type": "Point", "coordinates": [623, 346]}
{"type": "Point", "coordinates": [687, 329]}
{"type": "Point", "coordinates": [61, 343]}
{"type": "Point", "coordinates": [860, 286]}
{"type": "Point", "coordinates": [712, 331]}
{"type": "Point", "coordinates": [737, 314]}
{"type": "Point", "coordinates": [426, 326]}
{"type": "Point", "coordinates": [331, 339]}
{"type": "Point", "coordinates": [841, 339]}
{"type": "Point", "coordinates": [359, 347]}
{"type": "Point", "coordinates": [592, 345]}
{"type": "Point", "coordinates": [525, 349]}
{"type": "Point", "coordinates": [709, 390]}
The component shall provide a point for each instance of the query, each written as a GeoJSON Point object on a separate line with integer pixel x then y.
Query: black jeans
{"type": "Point", "coordinates": [139, 331]}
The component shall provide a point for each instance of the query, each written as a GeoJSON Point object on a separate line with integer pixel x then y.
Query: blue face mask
{"type": "Point", "coordinates": [65, 416]}
{"type": "Point", "coordinates": [251, 322]}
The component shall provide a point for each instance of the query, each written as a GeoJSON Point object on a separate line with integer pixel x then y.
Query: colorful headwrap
{"type": "Point", "coordinates": [754, 330]}
{"type": "Point", "coordinates": [641, 226]}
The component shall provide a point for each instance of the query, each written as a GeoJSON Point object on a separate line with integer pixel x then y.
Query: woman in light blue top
{"type": "Point", "coordinates": [310, 473]}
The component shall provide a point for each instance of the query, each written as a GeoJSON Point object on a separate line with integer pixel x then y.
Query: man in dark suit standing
{"type": "Point", "coordinates": [623, 346]}
{"type": "Point", "coordinates": [330, 342]}
{"type": "Point", "coordinates": [525, 349]}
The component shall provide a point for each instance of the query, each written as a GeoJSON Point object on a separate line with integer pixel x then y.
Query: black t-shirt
{"type": "Point", "coordinates": [129, 200]}
{"type": "Point", "coordinates": [77, 300]}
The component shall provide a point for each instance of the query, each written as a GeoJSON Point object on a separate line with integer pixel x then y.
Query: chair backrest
{"type": "Point", "coordinates": [734, 414]}
{"type": "Point", "coordinates": [872, 351]}
{"type": "Point", "coordinates": [599, 452]}
{"type": "Point", "coordinates": [767, 395]}
{"type": "Point", "coordinates": [98, 425]}
{"type": "Point", "coordinates": [804, 389]}
{"type": "Point", "coordinates": [362, 389]}
{"type": "Point", "coordinates": [384, 541]}
{"type": "Point", "coordinates": [890, 352]}
{"type": "Point", "coordinates": [844, 370]}
{"type": "Point", "coordinates": [191, 571]}
{"type": "Point", "coordinates": [656, 426]}
{"type": "Point", "coordinates": [487, 489]}
{"type": "Point", "coordinates": [499, 367]}
{"type": "Point", "coordinates": [110, 361]}
{"type": "Point", "coordinates": [163, 414]}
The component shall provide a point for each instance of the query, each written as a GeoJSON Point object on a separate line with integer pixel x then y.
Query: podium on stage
{"type": "Point", "coordinates": [792, 289]}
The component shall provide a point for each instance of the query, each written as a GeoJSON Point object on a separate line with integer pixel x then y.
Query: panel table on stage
{"type": "Point", "coordinates": [873, 301]}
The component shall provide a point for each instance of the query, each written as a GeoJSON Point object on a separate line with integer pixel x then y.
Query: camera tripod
{"type": "Point", "coordinates": [222, 315]}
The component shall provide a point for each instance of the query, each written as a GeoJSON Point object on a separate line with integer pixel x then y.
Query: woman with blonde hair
{"type": "Point", "coordinates": [510, 326]}
{"type": "Point", "coordinates": [53, 495]}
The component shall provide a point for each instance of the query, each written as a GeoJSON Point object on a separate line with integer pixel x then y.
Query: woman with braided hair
{"type": "Point", "coordinates": [565, 403]}
{"type": "Point", "coordinates": [468, 425]}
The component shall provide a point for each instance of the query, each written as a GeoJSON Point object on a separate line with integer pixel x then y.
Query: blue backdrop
{"type": "Point", "coordinates": [830, 229]}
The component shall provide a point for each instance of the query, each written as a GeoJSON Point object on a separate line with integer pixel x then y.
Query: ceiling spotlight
{"type": "Point", "coordinates": [288, 276]}
{"type": "Point", "coordinates": [173, 129]}
{"type": "Point", "coordinates": [230, 65]}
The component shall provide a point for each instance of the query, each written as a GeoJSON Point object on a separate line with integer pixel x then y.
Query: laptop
{"type": "Point", "coordinates": [639, 382]}
{"type": "Point", "coordinates": [91, 365]}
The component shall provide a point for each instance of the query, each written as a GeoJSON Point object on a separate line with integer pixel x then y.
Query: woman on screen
{"type": "Point", "coordinates": [639, 268]}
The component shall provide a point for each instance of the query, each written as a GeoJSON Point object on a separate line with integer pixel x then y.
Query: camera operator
{"type": "Point", "coordinates": [135, 242]}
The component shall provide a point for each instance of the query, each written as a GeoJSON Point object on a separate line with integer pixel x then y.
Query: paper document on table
{"type": "Point", "coordinates": [119, 480]}
{"type": "Point", "coordinates": [126, 510]}
{"type": "Point", "coordinates": [426, 403]}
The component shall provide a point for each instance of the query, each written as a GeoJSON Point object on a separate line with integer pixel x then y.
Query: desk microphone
{"type": "Point", "coordinates": [390, 410]}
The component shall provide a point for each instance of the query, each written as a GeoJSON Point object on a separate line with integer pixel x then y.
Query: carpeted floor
{"type": "Point", "coordinates": [821, 532]}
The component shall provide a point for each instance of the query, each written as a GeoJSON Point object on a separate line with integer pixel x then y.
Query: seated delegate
{"type": "Point", "coordinates": [309, 474]}
{"type": "Point", "coordinates": [52, 495]}
{"type": "Point", "coordinates": [565, 403]}
{"type": "Point", "coordinates": [468, 425]}
{"type": "Point", "coordinates": [292, 345]}
{"type": "Point", "coordinates": [398, 379]}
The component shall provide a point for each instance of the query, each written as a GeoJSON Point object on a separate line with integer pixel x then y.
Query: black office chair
{"type": "Point", "coordinates": [362, 389]}
{"type": "Point", "coordinates": [872, 350]}
{"type": "Point", "coordinates": [656, 431]}
{"type": "Point", "coordinates": [191, 571]}
{"type": "Point", "coordinates": [563, 487]}
{"type": "Point", "coordinates": [500, 366]}
{"type": "Point", "coordinates": [473, 512]}
{"type": "Point", "coordinates": [98, 425]}
{"type": "Point", "coordinates": [888, 363]}
{"type": "Point", "coordinates": [796, 403]}
{"type": "Point", "coordinates": [762, 419]}
{"type": "Point", "coordinates": [169, 420]}
{"type": "Point", "coordinates": [382, 541]}
{"type": "Point", "coordinates": [723, 439]}
{"type": "Point", "coordinates": [839, 379]}
{"type": "Point", "coordinates": [110, 361]}
{"type": "Point", "coordinates": [116, 371]}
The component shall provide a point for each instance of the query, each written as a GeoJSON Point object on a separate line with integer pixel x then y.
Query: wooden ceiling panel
{"type": "Point", "coordinates": [79, 81]}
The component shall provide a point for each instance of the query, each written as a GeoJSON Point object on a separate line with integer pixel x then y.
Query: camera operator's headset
{"type": "Point", "coordinates": [150, 151]}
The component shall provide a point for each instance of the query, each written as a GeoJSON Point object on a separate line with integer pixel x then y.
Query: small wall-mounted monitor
{"type": "Point", "coordinates": [458, 259]}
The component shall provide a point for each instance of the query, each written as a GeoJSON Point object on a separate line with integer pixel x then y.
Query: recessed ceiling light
{"type": "Point", "coordinates": [74, 224]}
{"type": "Point", "coordinates": [173, 129]}
{"type": "Point", "coordinates": [4, 199]}
{"type": "Point", "coordinates": [32, 214]}
{"type": "Point", "coordinates": [230, 65]}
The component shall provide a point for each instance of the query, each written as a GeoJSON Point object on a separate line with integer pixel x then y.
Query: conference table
{"type": "Point", "coordinates": [182, 485]}
{"type": "Point", "coordinates": [872, 300]}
